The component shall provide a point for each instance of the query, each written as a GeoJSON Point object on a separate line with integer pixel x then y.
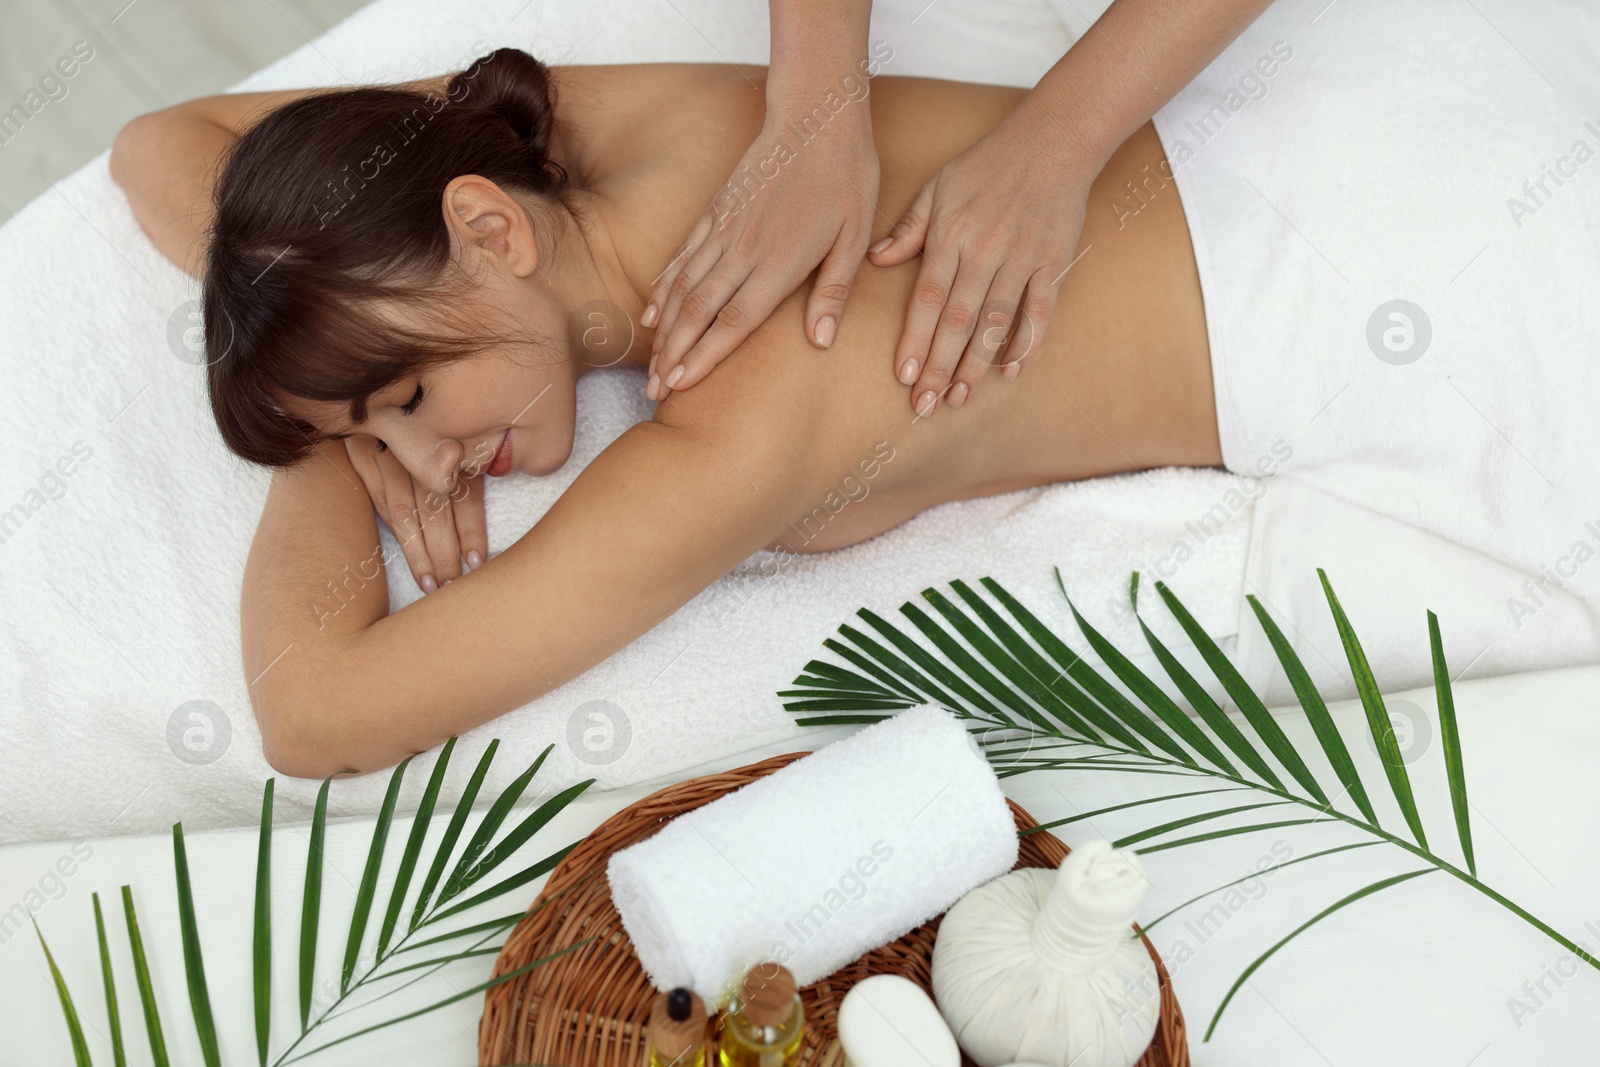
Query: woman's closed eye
{"type": "Point", "coordinates": [407, 408]}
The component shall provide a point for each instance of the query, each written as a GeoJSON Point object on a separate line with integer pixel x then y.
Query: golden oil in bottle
{"type": "Point", "coordinates": [766, 1023]}
{"type": "Point", "coordinates": [678, 1030]}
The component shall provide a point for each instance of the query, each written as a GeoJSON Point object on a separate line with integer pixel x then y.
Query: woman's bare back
{"type": "Point", "coordinates": [1121, 380]}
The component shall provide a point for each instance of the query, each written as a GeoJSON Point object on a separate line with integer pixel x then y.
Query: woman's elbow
{"type": "Point", "coordinates": [292, 742]}
{"type": "Point", "coordinates": [131, 151]}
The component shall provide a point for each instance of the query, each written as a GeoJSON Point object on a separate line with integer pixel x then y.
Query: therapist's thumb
{"type": "Point", "coordinates": [906, 238]}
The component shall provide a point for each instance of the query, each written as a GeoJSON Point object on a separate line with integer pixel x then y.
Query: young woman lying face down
{"type": "Point", "coordinates": [423, 272]}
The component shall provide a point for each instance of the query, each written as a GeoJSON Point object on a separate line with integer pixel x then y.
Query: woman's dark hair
{"type": "Point", "coordinates": [329, 208]}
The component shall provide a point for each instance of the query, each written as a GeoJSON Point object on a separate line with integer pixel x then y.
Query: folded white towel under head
{"type": "Point", "coordinates": [825, 859]}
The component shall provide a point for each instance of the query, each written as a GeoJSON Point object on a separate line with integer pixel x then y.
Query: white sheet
{"type": "Point", "coordinates": [1404, 322]}
{"type": "Point", "coordinates": [119, 581]}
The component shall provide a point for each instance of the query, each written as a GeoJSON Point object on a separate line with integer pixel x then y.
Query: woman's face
{"type": "Point", "coordinates": [518, 398]}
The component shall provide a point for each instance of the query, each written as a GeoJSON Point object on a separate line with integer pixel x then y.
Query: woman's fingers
{"type": "Point", "coordinates": [472, 524]}
{"type": "Point", "coordinates": [439, 535]}
{"type": "Point", "coordinates": [998, 323]}
{"type": "Point", "coordinates": [1037, 309]}
{"type": "Point", "coordinates": [700, 264]}
{"type": "Point", "coordinates": [759, 294]}
{"type": "Point", "coordinates": [405, 521]}
{"type": "Point", "coordinates": [831, 290]}
{"type": "Point", "coordinates": [725, 302]}
{"type": "Point", "coordinates": [908, 236]}
{"type": "Point", "coordinates": [658, 293]}
{"type": "Point", "coordinates": [954, 325]}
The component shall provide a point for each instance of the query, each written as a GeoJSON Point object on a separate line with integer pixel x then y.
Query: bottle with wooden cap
{"type": "Point", "coordinates": [678, 1030]}
{"type": "Point", "coordinates": [766, 1023]}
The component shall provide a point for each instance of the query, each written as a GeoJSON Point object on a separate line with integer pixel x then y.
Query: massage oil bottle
{"type": "Point", "coordinates": [766, 1023]}
{"type": "Point", "coordinates": [678, 1030]}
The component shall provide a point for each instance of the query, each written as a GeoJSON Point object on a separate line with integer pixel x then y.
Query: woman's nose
{"type": "Point", "coordinates": [432, 465]}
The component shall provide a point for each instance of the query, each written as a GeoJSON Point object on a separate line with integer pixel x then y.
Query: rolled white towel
{"type": "Point", "coordinates": [825, 859]}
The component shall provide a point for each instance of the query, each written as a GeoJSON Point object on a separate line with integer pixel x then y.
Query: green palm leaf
{"type": "Point", "coordinates": [1368, 890]}
{"type": "Point", "coordinates": [261, 949]}
{"type": "Point", "coordinates": [193, 965]}
{"type": "Point", "coordinates": [80, 1047]}
{"type": "Point", "coordinates": [1377, 716]}
{"type": "Point", "coordinates": [467, 869]}
{"type": "Point", "coordinates": [1255, 712]}
{"type": "Point", "coordinates": [1146, 927]}
{"type": "Point", "coordinates": [369, 876]}
{"type": "Point", "coordinates": [996, 666]}
{"type": "Point", "coordinates": [486, 852]}
{"type": "Point", "coordinates": [452, 831]}
{"type": "Point", "coordinates": [408, 859]}
{"type": "Point", "coordinates": [113, 1013]}
{"type": "Point", "coordinates": [311, 903]}
{"type": "Point", "coordinates": [1316, 711]}
{"type": "Point", "coordinates": [1136, 680]}
{"type": "Point", "coordinates": [1452, 743]}
{"type": "Point", "coordinates": [1209, 710]}
{"type": "Point", "coordinates": [141, 973]}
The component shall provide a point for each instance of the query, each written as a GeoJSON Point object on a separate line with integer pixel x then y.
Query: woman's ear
{"type": "Point", "coordinates": [483, 217]}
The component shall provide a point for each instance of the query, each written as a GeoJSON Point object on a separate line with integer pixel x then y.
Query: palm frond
{"type": "Point", "coordinates": [141, 974]}
{"type": "Point", "coordinates": [1367, 890]}
{"type": "Point", "coordinates": [194, 966]}
{"type": "Point", "coordinates": [69, 1010]}
{"type": "Point", "coordinates": [438, 899]}
{"type": "Point", "coordinates": [1035, 703]}
{"type": "Point", "coordinates": [261, 946]}
{"type": "Point", "coordinates": [113, 1010]}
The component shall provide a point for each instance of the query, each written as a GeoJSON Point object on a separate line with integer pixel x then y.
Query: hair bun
{"type": "Point", "coordinates": [512, 85]}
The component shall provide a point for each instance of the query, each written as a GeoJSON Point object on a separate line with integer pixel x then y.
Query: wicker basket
{"type": "Point", "coordinates": [588, 1008]}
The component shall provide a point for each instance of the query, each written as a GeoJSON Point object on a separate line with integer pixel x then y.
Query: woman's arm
{"type": "Point", "coordinates": [337, 682]}
{"type": "Point", "coordinates": [166, 163]}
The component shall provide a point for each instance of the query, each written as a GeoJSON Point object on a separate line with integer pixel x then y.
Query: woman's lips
{"type": "Point", "coordinates": [501, 464]}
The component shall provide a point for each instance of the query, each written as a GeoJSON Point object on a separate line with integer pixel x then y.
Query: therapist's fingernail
{"type": "Point", "coordinates": [881, 245]}
{"type": "Point", "coordinates": [649, 316]}
{"type": "Point", "coordinates": [1012, 370]}
{"type": "Point", "coordinates": [654, 389]}
{"type": "Point", "coordinates": [957, 395]}
{"type": "Point", "coordinates": [825, 327]}
{"type": "Point", "coordinates": [428, 583]}
{"type": "Point", "coordinates": [925, 405]}
{"type": "Point", "coordinates": [675, 377]}
{"type": "Point", "coordinates": [908, 372]}
{"type": "Point", "coordinates": [474, 559]}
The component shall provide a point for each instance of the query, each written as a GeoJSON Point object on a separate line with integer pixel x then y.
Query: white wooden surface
{"type": "Point", "coordinates": [1429, 972]}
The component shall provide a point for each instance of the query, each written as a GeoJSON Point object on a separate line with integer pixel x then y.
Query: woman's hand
{"type": "Point", "coordinates": [788, 206]}
{"type": "Point", "coordinates": [1001, 223]}
{"type": "Point", "coordinates": [434, 535]}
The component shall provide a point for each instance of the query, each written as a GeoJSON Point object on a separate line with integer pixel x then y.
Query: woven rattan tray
{"type": "Point", "coordinates": [588, 1007]}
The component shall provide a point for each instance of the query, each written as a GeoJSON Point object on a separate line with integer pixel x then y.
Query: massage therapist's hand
{"type": "Point", "coordinates": [434, 531]}
{"type": "Point", "coordinates": [997, 226]}
{"type": "Point", "coordinates": [788, 206]}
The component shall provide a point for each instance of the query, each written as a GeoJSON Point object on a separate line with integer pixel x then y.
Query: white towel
{"type": "Point", "coordinates": [830, 857]}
